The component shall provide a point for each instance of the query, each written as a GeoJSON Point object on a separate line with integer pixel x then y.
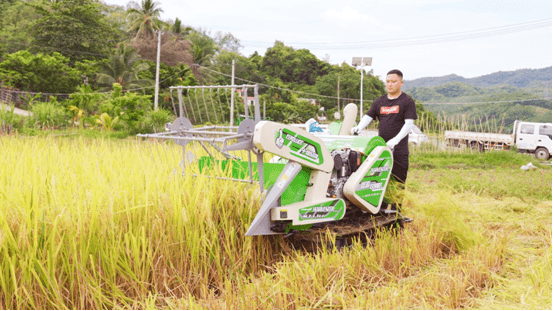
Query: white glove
{"type": "Point", "coordinates": [392, 143]}
{"type": "Point", "coordinates": [404, 131]}
{"type": "Point", "coordinates": [363, 124]}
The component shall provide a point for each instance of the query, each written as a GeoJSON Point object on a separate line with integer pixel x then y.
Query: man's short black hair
{"type": "Point", "coordinates": [396, 72]}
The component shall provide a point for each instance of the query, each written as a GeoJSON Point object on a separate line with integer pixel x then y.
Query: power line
{"type": "Point", "coordinates": [357, 99]}
{"type": "Point", "coordinates": [277, 88]}
{"type": "Point", "coordinates": [431, 39]}
{"type": "Point", "coordinates": [491, 102]}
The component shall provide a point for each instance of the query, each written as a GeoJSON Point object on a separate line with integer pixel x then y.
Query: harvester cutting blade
{"type": "Point", "coordinates": [262, 222]}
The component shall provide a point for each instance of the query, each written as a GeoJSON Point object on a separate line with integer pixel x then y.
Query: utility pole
{"type": "Point", "coordinates": [362, 93]}
{"type": "Point", "coordinates": [338, 94]}
{"type": "Point", "coordinates": [157, 72]}
{"type": "Point", "coordinates": [232, 92]}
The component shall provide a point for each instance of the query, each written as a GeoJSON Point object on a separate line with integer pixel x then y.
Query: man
{"type": "Point", "coordinates": [396, 112]}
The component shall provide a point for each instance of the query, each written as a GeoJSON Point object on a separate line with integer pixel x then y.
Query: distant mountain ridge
{"type": "Point", "coordinates": [518, 78]}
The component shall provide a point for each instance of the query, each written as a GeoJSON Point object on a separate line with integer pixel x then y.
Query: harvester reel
{"type": "Point", "coordinates": [246, 126]}
{"type": "Point", "coordinates": [246, 129]}
{"type": "Point", "coordinates": [180, 125]}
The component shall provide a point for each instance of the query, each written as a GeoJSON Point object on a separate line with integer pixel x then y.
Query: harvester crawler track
{"type": "Point", "coordinates": [354, 226]}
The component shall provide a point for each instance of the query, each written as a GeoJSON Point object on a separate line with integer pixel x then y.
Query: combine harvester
{"type": "Point", "coordinates": [320, 183]}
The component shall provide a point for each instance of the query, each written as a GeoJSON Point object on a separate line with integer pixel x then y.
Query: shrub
{"type": "Point", "coordinates": [86, 99]}
{"type": "Point", "coordinates": [9, 121]}
{"type": "Point", "coordinates": [129, 107]}
{"type": "Point", "coordinates": [48, 115]}
{"type": "Point", "coordinates": [156, 120]}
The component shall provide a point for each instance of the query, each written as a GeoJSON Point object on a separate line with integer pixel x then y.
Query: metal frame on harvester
{"type": "Point", "coordinates": [181, 131]}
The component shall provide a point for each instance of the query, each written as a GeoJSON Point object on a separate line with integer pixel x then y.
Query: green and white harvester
{"type": "Point", "coordinates": [315, 184]}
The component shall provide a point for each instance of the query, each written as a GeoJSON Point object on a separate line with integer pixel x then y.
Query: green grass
{"type": "Point", "coordinates": [448, 159]}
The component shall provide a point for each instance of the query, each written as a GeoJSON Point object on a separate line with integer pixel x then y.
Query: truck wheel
{"type": "Point", "coordinates": [476, 146]}
{"type": "Point", "coordinates": [542, 154]}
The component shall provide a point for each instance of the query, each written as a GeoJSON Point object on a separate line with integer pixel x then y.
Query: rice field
{"type": "Point", "coordinates": [113, 224]}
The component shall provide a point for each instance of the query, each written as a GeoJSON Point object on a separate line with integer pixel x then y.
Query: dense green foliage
{"type": "Point", "coordinates": [123, 67]}
{"type": "Point", "coordinates": [75, 28]}
{"type": "Point", "coordinates": [15, 19]}
{"type": "Point", "coordinates": [49, 73]}
{"type": "Point", "coordinates": [290, 65]}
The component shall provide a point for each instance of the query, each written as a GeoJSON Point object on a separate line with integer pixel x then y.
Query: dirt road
{"type": "Point", "coordinates": [17, 111]}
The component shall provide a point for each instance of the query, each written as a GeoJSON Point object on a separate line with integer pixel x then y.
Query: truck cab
{"type": "Point", "coordinates": [531, 137]}
{"type": "Point", "coordinates": [417, 137]}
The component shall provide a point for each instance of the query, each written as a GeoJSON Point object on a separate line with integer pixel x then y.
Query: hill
{"type": "Point", "coordinates": [519, 78]}
{"type": "Point", "coordinates": [496, 99]}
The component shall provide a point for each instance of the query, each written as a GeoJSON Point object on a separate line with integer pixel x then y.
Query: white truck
{"type": "Point", "coordinates": [528, 137]}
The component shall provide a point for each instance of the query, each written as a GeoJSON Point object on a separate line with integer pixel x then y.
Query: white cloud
{"type": "Point", "coordinates": [348, 17]}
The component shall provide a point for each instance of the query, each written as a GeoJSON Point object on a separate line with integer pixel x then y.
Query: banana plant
{"type": "Point", "coordinates": [78, 114]}
{"type": "Point", "coordinates": [106, 121]}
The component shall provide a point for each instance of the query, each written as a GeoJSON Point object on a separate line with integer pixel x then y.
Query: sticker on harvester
{"type": "Point", "coordinates": [372, 184]}
{"type": "Point", "coordinates": [331, 210]}
{"type": "Point", "coordinates": [381, 169]}
{"type": "Point", "coordinates": [300, 146]}
{"type": "Point", "coordinates": [286, 175]}
{"type": "Point", "coordinates": [389, 110]}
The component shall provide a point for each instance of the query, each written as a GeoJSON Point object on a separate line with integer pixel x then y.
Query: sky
{"type": "Point", "coordinates": [422, 38]}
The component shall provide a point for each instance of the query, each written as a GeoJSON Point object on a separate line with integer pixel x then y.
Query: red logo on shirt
{"type": "Point", "coordinates": [389, 110]}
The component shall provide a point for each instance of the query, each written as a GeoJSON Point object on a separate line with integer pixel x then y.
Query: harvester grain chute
{"type": "Point", "coordinates": [315, 184]}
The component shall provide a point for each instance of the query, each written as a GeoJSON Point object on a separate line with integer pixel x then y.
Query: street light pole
{"type": "Point", "coordinates": [361, 62]}
{"type": "Point", "coordinates": [361, 92]}
{"type": "Point", "coordinates": [157, 72]}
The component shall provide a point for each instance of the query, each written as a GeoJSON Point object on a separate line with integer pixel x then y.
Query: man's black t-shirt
{"type": "Point", "coordinates": [391, 114]}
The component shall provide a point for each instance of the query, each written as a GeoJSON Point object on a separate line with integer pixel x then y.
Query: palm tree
{"type": "Point", "coordinates": [122, 68]}
{"type": "Point", "coordinates": [145, 19]}
{"type": "Point", "coordinates": [178, 29]}
{"type": "Point", "coordinates": [203, 47]}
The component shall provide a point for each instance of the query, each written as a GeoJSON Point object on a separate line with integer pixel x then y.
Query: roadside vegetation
{"type": "Point", "coordinates": [97, 223]}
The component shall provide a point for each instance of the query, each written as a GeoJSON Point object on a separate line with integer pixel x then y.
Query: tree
{"type": "Point", "coordinates": [123, 68]}
{"type": "Point", "coordinates": [39, 73]}
{"type": "Point", "coordinates": [75, 28]}
{"type": "Point", "coordinates": [256, 59]}
{"type": "Point", "coordinates": [349, 86]}
{"type": "Point", "coordinates": [178, 29]}
{"type": "Point", "coordinates": [244, 68]}
{"type": "Point", "coordinates": [169, 75]}
{"type": "Point", "coordinates": [144, 19]}
{"type": "Point", "coordinates": [173, 49]}
{"type": "Point", "coordinates": [15, 21]}
{"type": "Point", "coordinates": [203, 47]}
{"type": "Point", "coordinates": [227, 42]}
{"type": "Point", "coordinates": [116, 18]}
{"type": "Point", "coordinates": [129, 107]}
{"type": "Point", "coordinates": [290, 65]}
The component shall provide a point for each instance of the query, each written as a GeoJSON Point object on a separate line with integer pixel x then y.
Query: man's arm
{"type": "Point", "coordinates": [366, 120]}
{"type": "Point", "coordinates": [405, 130]}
